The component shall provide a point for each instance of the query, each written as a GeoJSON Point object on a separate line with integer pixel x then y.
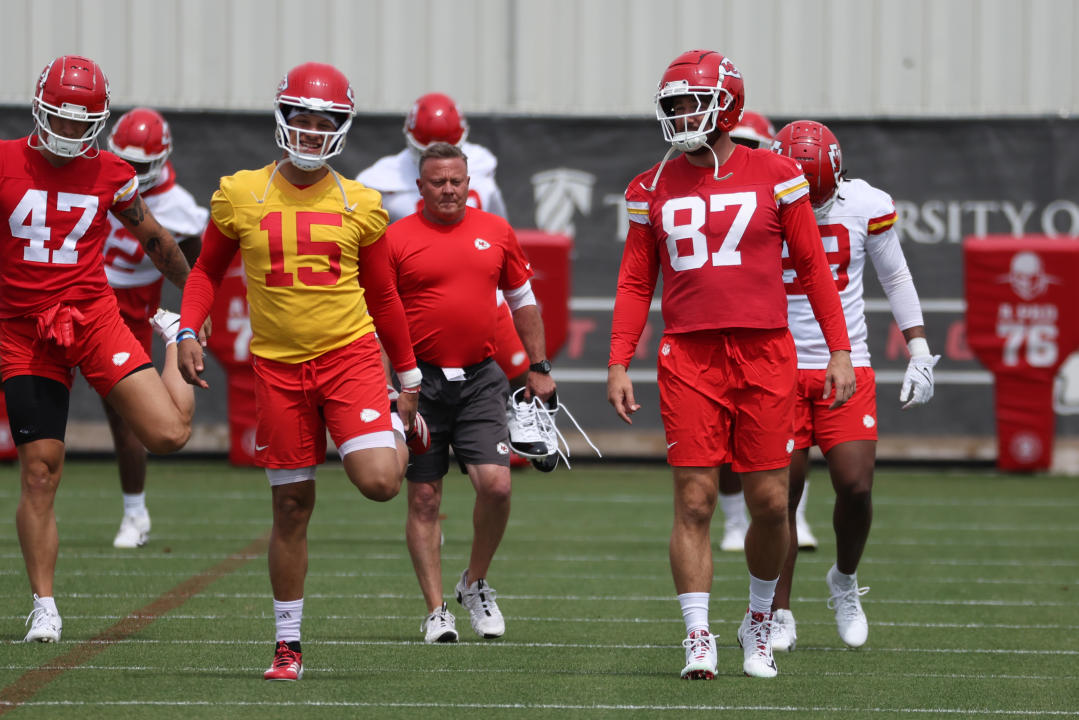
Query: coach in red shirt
{"type": "Point", "coordinates": [449, 260]}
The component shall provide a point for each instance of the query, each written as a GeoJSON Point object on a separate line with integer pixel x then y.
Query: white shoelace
{"type": "Point", "coordinates": [847, 602]}
{"type": "Point", "coordinates": [760, 632]}
{"type": "Point", "coordinates": [528, 428]}
{"type": "Point", "coordinates": [698, 646]}
{"type": "Point", "coordinates": [442, 616]}
{"type": "Point", "coordinates": [543, 417]}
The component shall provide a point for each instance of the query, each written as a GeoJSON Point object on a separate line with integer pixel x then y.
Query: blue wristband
{"type": "Point", "coordinates": [186, 332]}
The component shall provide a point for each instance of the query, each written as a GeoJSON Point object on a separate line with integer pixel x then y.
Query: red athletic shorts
{"type": "Point", "coordinates": [728, 397]}
{"type": "Point", "coordinates": [816, 424]}
{"type": "Point", "coordinates": [343, 390]}
{"type": "Point", "coordinates": [137, 306]}
{"type": "Point", "coordinates": [509, 352]}
{"type": "Point", "coordinates": [104, 350]}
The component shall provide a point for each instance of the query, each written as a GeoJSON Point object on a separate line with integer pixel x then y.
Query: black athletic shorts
{"type": "Point", "coordinates": [468, 414]}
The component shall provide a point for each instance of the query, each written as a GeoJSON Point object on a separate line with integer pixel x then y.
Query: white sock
{"type": "Point", "coordinates": [761, 593]}
{"type": "Point", "coordinates": [734, 508]}
{"type": "Point", "coordinates": [287, 617]}
{"type": "Point", "coordinates": [49, 603]}
{"type": "Point", "coordinates": [801, 511]}
{"type": "Point", "coordinates": [135, 504]}
{"type": "Point", "coordinates": [694, 610]}
{"type": "Point", "coordinates": [842, 579]}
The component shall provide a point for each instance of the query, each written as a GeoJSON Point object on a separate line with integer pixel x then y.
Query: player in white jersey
{"type": "Point", "coordinates": [755, 131]}
{"type": "Point", "coordinates": [142, 138]}
{"type": "Point", "coordinates": [435, 117]}
{"type": "Point", "coordinates": [856, 221]}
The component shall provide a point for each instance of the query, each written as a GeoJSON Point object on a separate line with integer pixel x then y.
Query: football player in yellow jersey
{"type": "Point", "coordinates": [318, 282]}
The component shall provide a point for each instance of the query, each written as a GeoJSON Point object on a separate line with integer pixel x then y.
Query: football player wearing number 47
{"type": "Point", "coordinates": [318, 284]}
{"type": "Point", "coordinates": [57, 312]}
{"type": "Point", "coordinates": [714, 220]}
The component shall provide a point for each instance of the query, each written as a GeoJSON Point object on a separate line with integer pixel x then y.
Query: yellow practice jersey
{"type": "Point", "coordinates": [300, 248]}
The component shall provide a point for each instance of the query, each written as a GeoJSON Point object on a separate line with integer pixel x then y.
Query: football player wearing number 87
{"type": "Point", "coordinates": [714, 220]}
{"type": "Point", "coordinates": [318, 284]}
{"type": "Point", "coordinates": [57, 312]}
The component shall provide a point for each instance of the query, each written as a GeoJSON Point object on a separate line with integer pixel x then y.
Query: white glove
{"type": "Point", "coordinates": [918, 381]}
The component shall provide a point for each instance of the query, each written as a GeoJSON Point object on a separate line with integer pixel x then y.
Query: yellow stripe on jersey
{"type": "Point", "coordinates": [638, 212]}
{"type": "Point", "coordinates": [793, 189]}
{"type": "Point", "coordinates": [300, 248]}
{"type": "Point", "coordinates": [126, 192]}
{"type": "Point", "coordinates": [880, 224]}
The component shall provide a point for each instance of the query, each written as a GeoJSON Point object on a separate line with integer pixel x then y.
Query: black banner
{"type": "Point", "coordinates": [949, 179]}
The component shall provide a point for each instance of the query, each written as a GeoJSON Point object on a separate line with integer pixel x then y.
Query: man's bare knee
{"type": "Point", "coordinates": [380, 487]}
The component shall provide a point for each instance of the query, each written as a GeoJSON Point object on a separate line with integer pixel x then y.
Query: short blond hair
{"type": "Point", "coordinates": [442, 151]}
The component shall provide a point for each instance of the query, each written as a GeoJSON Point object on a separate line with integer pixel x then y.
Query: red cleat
{"type": "Point", "coordinates": [287, 664]}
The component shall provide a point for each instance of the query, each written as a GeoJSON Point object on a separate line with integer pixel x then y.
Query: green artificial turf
{"type": "Point", "coordinates": [973, 608]}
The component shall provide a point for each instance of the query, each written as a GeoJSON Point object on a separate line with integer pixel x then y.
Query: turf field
{"type": "Point", "coordinates": [974, 608]}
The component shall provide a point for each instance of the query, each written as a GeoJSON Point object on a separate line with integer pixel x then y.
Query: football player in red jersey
{"type": "Point", "coordinates": [713, 220]}
{"type": "Point", "coordinates": [856, 221]}
{"type": "Point", "coordinates": [57, 313]}
{"type": "Point", "coordinates": [448, 259]}
{"type": "Point", "coordinates": [318, 280]}
{"type": "Point", "coordinates": [142, 137]}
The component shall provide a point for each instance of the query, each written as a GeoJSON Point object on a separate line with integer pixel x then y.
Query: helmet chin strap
{"type": "Point", "coordinates": [667, 156]}
{"type": "Point", "coordinates": [282, 161]}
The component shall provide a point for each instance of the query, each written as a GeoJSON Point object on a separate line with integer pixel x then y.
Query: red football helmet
{"type": "Point", "coordinates": [435, 118]}
{"type": "Point", "coordinates": [753, 130]}
{"type": "Point", "coordinates": [142, 137]}
{"type": "Point", "coordinates": [816, 149]}
{"type": "Point", "coordinates": [73, 88]}
{"type": "Point", "coordinates": [717, 86]}
{"type": "Point", "coordinates": [318, 89]}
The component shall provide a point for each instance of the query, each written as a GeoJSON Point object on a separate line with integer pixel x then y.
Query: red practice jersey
{"type": "Point", "coordinates": [447, 276]}
{"type": "Point", "coordinates": [719, 245]}
{"type": "Point", "coordinates": [55, 227]}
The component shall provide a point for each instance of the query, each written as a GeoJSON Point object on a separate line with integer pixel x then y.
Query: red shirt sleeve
{"type": "Point", "coordinates": [384, 304]}
{"type": "Point", "coordinates": [204, 279]}
{"type": "Point", "coordinates": [807, 254]}
{"type": "Point", "coordinates": [636, 285]}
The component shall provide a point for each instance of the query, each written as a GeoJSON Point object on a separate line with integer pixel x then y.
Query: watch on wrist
{"type": "Point", "coordinates": [543, 366]}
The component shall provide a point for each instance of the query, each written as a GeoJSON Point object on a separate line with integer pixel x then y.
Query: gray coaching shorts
{"type": "Point", "coordinates": [468, 414]}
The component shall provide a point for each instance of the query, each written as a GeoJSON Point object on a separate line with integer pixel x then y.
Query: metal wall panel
{"type": "Point", "coordinates": [865, 58]}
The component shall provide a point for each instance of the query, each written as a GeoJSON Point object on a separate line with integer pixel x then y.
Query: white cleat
{"type": "Point", "coordinates": [849, 617]}
{"type": "Point", "coordinates": [531, 429]}
{"type": "Point", "coordinates": [483, 611]}
{"type": "Point", "coordinates": [440, 626]}
{"type": "Point", "coordinates": [806, 539]}
{"type": "Point", "coordinates": [134, 531]}
{"type": "Point", "coordinates": [755, 637]}
{"type": "Point", "coordinates": [784, 633]}
{"type": "Point", "coordinates": [166, 324]}
{"type": "Point", "coordinates": [734, 536]}
{"type": "Point", "coordinates": [45, 625]}
{"type": "Point", "coordinates": [700, 656]}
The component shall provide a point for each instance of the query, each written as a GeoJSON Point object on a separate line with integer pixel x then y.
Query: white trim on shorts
{"type": "Point", "coordinates": [382, 438]}
{"type": "Point", "coordinates": [287, 476]}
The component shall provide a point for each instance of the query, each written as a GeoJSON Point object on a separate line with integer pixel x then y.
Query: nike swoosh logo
{"type": "Point", "coordinates": [926, 374]}
{"type": "Point", "coordinates": [671, 445]}
{"type": "Point", "coordinates": [260, 448]}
